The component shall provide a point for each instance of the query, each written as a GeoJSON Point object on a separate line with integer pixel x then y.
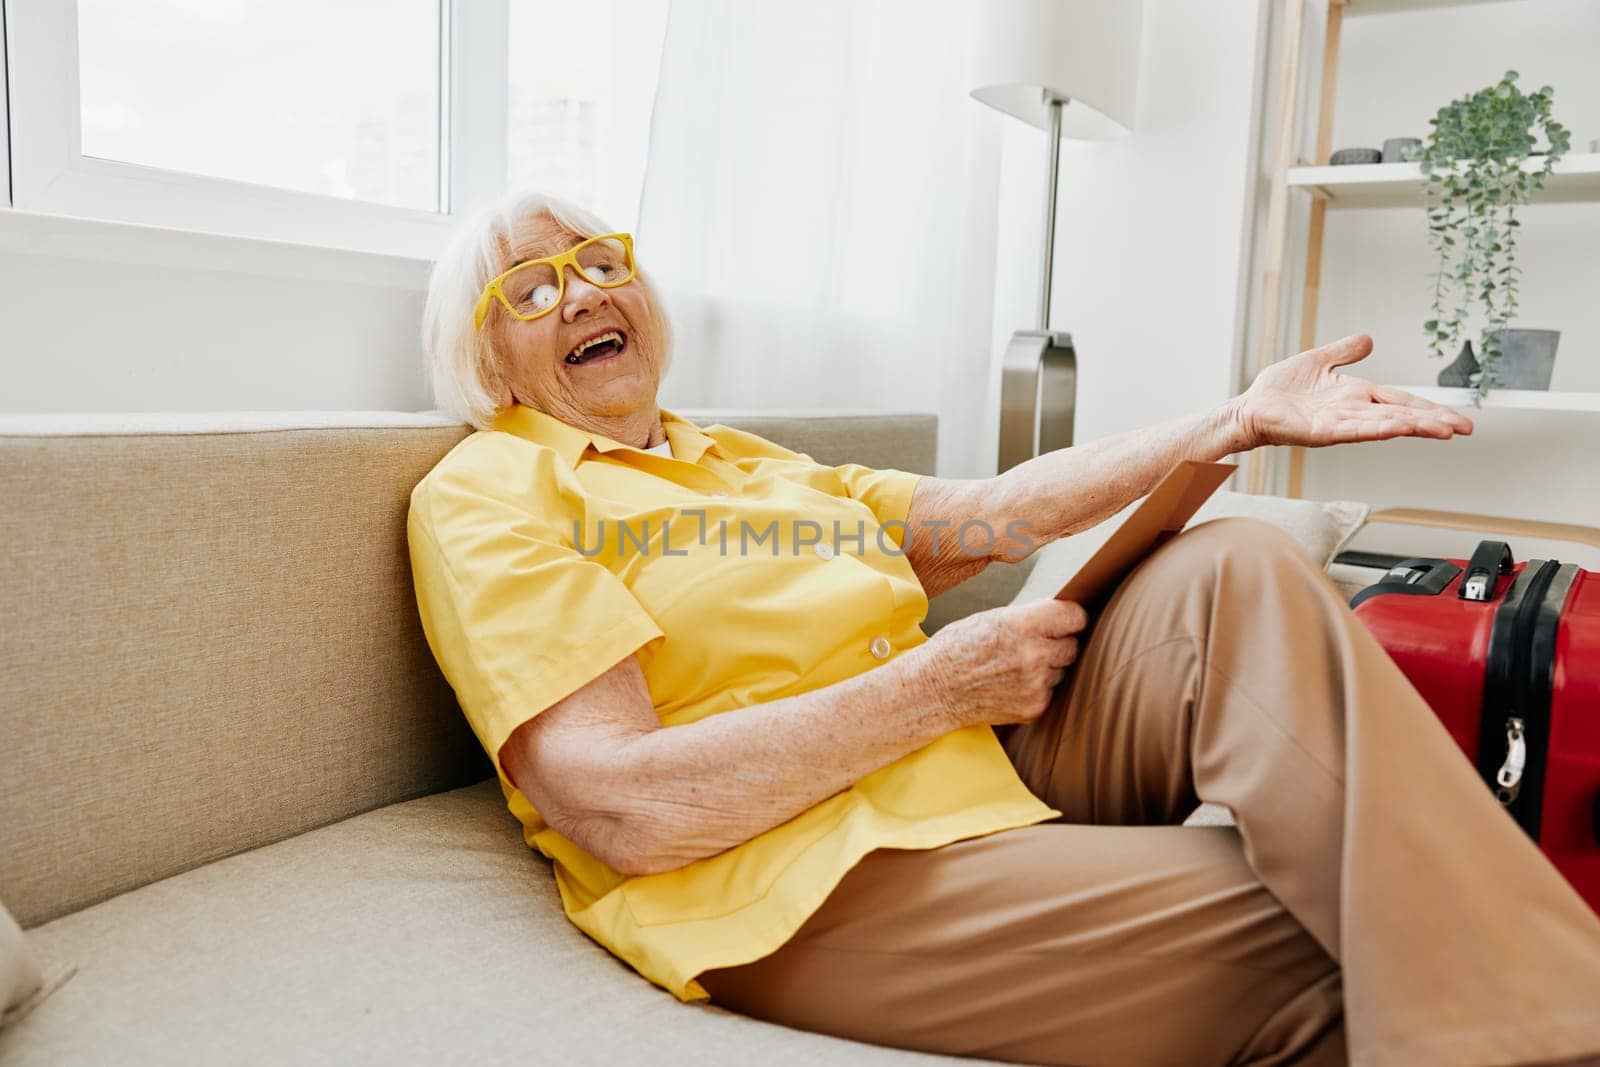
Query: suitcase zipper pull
{"type": "Point", "coordinates": [1509, 777]}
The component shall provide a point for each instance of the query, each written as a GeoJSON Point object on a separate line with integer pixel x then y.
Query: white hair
{"type": "Point", "coordinates": [461, 362]}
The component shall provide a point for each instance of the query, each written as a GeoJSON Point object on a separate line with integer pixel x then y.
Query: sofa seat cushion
{"type": "Point", "coordinates": [422, 932]}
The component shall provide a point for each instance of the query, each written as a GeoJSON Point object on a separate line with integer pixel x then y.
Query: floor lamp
{"type": "Point", "coordinates": [1071, 68]}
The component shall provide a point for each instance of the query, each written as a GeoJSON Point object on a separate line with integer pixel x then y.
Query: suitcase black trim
{"type": "Point", "coordinates": [1508, 691]}
{"type": "Point", "coordinates": [1541, 689]}
{"type": "Point", "coordinates": [1356, 558]}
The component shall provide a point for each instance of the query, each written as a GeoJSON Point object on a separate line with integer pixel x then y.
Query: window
{"type": "Point", "coordinates": [294, 94]}
{"type": "Point", "coordinates": [354, 124]}
{"type": "Point", "coordinates": [579, 114]}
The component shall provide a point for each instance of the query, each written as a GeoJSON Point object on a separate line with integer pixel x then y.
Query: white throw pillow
{"type": "Point", "coordinates": [1321, 527]}
{"type": "Point", "coordinates": [20, 978]}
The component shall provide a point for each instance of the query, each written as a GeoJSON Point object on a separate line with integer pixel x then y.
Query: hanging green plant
{"type": "Point", "coordinates": [1477, 169]}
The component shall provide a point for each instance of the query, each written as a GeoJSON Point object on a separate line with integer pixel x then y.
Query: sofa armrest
{"type": "Point", "coordinates": [993, 586]}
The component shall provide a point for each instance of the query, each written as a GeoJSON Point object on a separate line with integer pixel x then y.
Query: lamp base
{"type": "Point", "coordinates": [1038, 395]}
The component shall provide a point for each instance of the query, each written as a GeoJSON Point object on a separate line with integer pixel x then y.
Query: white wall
{"type": "Point", "coordinates": [1395, 72]}
{"type": "Point", "coordinates": [100, 317]}
{"type": "Point", "coordinates": [1151, 241]}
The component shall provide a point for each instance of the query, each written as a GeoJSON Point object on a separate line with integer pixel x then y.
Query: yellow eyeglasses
{"type": "Point", "coordinates": [535, 288]}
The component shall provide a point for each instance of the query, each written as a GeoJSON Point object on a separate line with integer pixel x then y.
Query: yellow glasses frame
{"type": "Point", "coordinates": [560, 262]}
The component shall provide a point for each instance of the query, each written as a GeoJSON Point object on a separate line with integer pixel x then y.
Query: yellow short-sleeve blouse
{"type": "Point", "coordinates": [738, 572]}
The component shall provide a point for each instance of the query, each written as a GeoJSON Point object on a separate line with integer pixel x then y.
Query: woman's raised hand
{"type": "Point", "coordinates": [1304, 400]}
{"type": "Point", "coordinates": [1001, 665]}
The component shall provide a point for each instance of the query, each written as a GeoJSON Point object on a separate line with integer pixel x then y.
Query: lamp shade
{"type": "Point", "coordinates": [1028, 53]}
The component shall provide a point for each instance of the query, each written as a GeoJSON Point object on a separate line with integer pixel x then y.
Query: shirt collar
{"type": "Point", "coordinates": [689, 442]}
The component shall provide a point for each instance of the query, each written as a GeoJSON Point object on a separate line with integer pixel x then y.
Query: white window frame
{"type": "Point", "coordinates": [5, 111]}
{"type": "Point", "coordinates": [51, 175]}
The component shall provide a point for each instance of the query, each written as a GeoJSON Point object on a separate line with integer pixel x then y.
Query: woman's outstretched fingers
{"type": "Point", "coordinates": [1379, 422]}
{"type": "Point", "coordinates": [1388, 394]}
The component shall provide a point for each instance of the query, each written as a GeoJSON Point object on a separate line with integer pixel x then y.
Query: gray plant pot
{"type": "Point", "coordinates": [1401, 149]}
{"type": "Point", "coordinates": [1527, 358]}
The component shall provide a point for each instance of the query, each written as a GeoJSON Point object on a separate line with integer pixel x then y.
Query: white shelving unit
{"type": "Point", "coordinates": [1383, 7]}
{"type": "Point", "coordinates": [1509, 399]}
{"type": "Point", "coordinates": [1573, 179]}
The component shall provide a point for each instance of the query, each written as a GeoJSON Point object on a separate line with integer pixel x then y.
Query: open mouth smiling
{"type": "Point", "coordinates": [601, 346]}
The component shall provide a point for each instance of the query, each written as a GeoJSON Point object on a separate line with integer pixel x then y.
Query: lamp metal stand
{"type": "Point", "coordinates": [1039, 371]}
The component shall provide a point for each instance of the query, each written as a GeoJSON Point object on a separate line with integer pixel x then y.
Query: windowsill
{"type": "Point", "coordinates": [136, 244]}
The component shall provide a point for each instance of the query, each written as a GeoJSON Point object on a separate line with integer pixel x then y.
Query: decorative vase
{"type": "Point", "coordinates": [1401, 149]}
{"type": "Point", "coordinates": [1459, 373]}
{"type": "Point", "coordinates": [1527, 358]}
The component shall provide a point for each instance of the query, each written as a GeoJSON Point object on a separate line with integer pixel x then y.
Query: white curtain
{"type": "Point", "coordinates": [819, 208]}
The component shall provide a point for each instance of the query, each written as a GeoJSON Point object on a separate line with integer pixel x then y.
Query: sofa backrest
{"type": "Point", "coordinates": [210, 639]}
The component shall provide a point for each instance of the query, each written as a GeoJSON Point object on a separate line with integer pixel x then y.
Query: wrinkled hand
{"type": "Point", "coordinates": [1304, 400]}
{"type": "Point", "coordinates": [1001, 665]}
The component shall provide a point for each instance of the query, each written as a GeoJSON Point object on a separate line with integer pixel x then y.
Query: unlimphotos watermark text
{"type": "Point", "coordinates": [664, 537]}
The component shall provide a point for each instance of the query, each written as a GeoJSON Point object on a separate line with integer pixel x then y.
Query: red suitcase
{"type": "Point", "coordinates": [1508, 656]}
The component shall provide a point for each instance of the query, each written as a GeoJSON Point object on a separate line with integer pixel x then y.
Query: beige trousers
{"type": "Point", "coordinates": [1373, 905]}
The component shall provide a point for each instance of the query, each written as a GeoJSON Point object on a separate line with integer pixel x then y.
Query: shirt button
{"type": "Point", "coordinates": [880, 647]}
{"type": "Point", "coordinates": [823, 551]}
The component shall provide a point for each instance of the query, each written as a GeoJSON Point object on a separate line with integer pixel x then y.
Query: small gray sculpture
{"type": "Point", "coordinates": [1460, 372]}
{"type": "Point", "coordinates": [1346, 156]}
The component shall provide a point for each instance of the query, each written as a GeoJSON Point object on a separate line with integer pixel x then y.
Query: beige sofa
{"type": "Point", "coordinates": [241, 810]}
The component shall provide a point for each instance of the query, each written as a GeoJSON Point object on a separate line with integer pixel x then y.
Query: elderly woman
{"type": "Point", "coordinates": [695, 659]}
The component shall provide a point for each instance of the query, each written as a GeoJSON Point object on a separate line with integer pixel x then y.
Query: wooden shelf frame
{"type": "Point", "coordinates": [1259, 464]}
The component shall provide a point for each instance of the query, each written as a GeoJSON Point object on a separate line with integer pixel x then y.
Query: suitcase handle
{"type": "Point", "coordinates": [1489, 560]}
{"type": "Point", "coordinates": [1418, 577]}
